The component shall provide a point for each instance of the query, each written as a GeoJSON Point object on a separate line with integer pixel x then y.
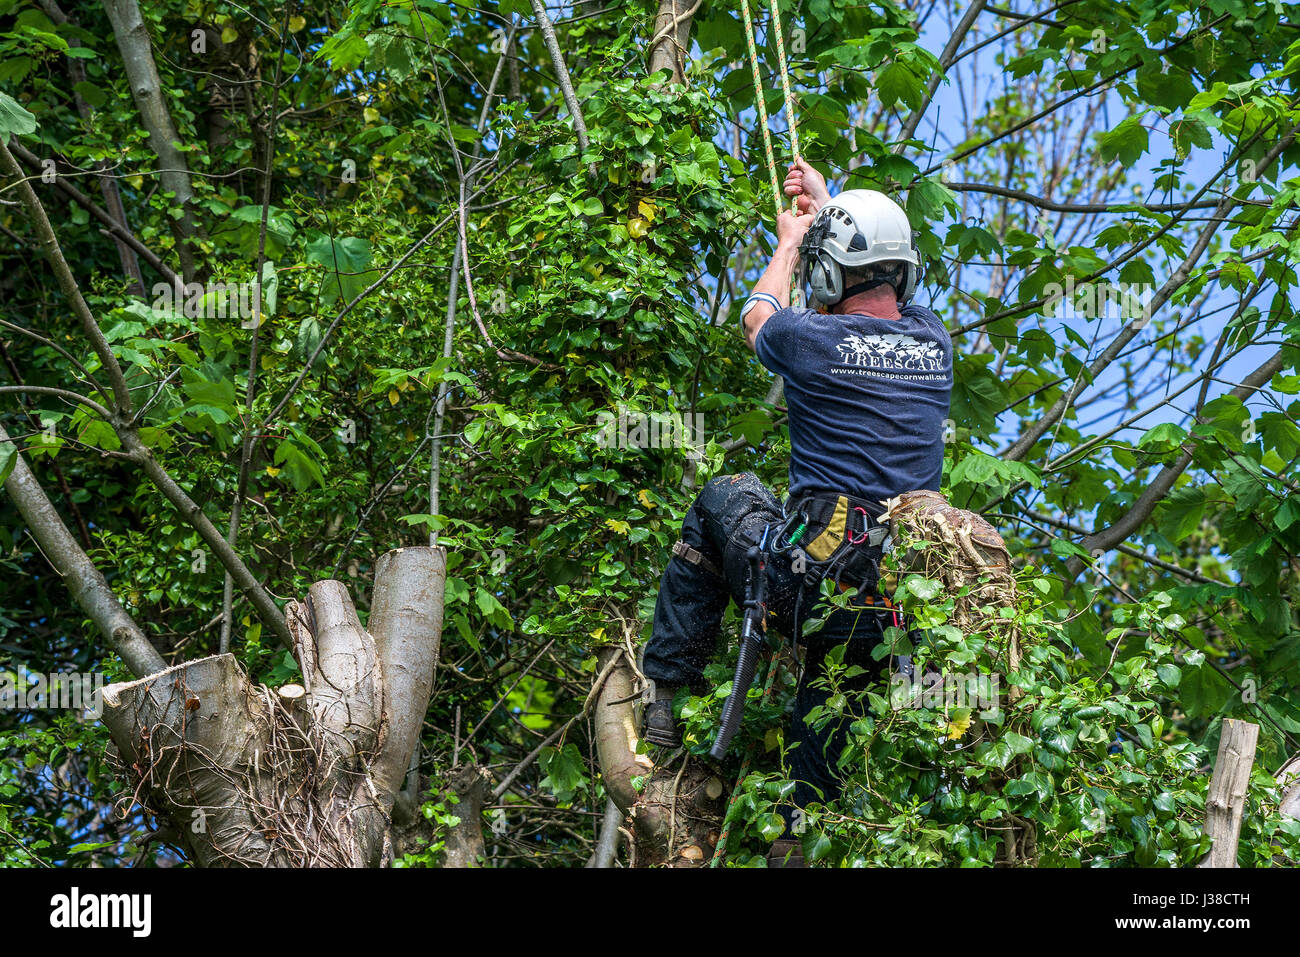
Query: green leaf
{"type": "Point", "coordinates": [895, 83]}
{"type": "Point", "coordinates": [565, 771]}
{"type": "Point", "coordinates": [346, 260]}
{"type": "Point", "coordinates": [1287, 514]}
{"type": "Point", "coordinates": [1165, 437]}
{"type": "Point", "coordinates": [1126, 142]}
{"type": "Point", "coordinates": [998, 754]}
{"type": "Point", "coordinates": [770, 826]}
{"type": "Point", "coordinates": [1018, 743]}
{"type": "Point", "coordinates": [270, 288]}
{"type": "Point", "coordinates": [923, 588]}
{"type": "Point", "coordinates": [93, 95]}
{"type": "Point", "coordinates": [8, 459]}
{"type": "Point", "coordinates": [14, 119]}
{"type": "Point", "coordinates": [299, 468]}
{"type": "Point", "coordinates": [821, 846]}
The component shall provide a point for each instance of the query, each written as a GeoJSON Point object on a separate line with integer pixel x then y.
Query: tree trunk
{"type": "Point", "coordinates": [305, 776]}
{"type": "Point", "coordinates": [1226, 801]}
{"type": "Point", "coordinates": [671, 41]}
{"type": "Point", "coordinates": [676, 813]}
{"type": "Point", "coordinates": [146, 88]}
{"type": "Point", "coordinates": [464, 845]}
{"type": "Point", "coordinates": [107, 184]}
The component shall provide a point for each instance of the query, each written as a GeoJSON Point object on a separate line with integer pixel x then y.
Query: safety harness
{"type": "Point", "coordinates": [845, 543]}
{"type": "Point", "coordinates": [840, 537]}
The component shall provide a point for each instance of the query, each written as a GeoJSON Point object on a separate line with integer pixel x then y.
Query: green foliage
{"type": "Point", "coordinates": [1085, 759]}
{"type": "Point", "coordinates": [610, 298]}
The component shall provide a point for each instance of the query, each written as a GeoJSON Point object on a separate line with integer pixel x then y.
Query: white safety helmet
{"type": "Point", "coordinates": [858, 228]}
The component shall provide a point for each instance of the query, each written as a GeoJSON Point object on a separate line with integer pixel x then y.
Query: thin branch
{"type": "Point", "coordinates": [946, 59]}
{"type": "Point", "coordinates": [85, 582]}
{"type": "Point", "coordinates": [1151, 496]}
{"type": "Point", "coordinates": [562, 76]}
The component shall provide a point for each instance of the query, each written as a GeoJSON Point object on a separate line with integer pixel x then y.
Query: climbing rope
{"type": "Point", "coordinates": [785, 84]}
{"type": "Point", "coordinates": [760, 105]}
{"type": "Point", "coordinates": [720, 850]}
{"type": "Point", "coordinates": [760, 102]}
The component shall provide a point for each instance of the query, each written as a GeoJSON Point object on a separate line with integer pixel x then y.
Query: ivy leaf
{"type": "Point", "coordinates": [14, 119]}
{"type": "Point", "coordinates": [998, 754]}
{"type": "Point", "coordinates": [564, 769]}
{"type": "Point", "coordinates": [923, 588]}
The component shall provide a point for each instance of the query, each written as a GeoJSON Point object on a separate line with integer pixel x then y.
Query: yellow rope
{"type": "Point", "coordinates": [761, 107]}
{"type": "Point", "coordinates": [720, 850]}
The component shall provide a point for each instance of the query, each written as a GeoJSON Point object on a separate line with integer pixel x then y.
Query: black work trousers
{"type": "Point", "coordinates": [731, 514]}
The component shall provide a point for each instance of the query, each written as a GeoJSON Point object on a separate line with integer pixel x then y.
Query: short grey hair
{"type": "Point", "coordinates": [894, 273]}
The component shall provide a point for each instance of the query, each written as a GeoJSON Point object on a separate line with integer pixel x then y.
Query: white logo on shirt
{"type": "Point", "coordinates": [891, 351]}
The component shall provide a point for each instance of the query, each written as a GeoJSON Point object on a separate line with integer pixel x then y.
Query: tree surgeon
{"type": "Point", "coordinates": [868, 379]}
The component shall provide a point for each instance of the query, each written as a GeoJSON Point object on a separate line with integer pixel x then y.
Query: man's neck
{"type": "Point", "coordinates": [878, 302]}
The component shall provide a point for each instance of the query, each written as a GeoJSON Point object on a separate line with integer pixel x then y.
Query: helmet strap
{"type": "Point", "coordinates": [896, 280]}
{"type": "Point", "coordinates": [856, 288]}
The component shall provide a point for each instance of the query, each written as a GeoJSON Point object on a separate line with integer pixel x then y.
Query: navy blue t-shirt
{"type": "Point", "coordinates": [867, 398]}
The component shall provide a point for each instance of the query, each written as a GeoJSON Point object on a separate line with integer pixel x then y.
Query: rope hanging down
{"type": "Point", "coordinates": [760, 103]}
{"type": "Point", "coordinates": [720, 849]}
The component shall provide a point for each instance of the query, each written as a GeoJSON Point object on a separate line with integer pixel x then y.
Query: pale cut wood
{"type": "Point", "coordinates": [1226, 801]}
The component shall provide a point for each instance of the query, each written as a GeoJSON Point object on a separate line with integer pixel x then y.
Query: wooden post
{"type": "Point", "coordinates": [1226, 800]}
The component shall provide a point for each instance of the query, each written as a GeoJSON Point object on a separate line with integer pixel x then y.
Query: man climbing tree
{"type": "Point", "coordinates": [866, 424]}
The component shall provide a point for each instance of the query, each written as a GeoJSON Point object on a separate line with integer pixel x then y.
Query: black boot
{"type": "Point", "coordinates": [661, 727]}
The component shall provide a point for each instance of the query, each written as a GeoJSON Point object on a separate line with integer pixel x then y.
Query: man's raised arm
{"type": "Point", "coordinates": [772, 291]}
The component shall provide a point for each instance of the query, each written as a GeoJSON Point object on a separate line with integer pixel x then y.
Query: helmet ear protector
{"type": "Point", "coordinates": [823, 277]}
{"type": "Point", "coordinates": [818, 272]}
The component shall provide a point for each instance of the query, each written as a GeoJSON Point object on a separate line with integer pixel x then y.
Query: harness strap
{"type": "Point", "coordinates": [839, 521]}
{"type": "Point", "coordinates": [693, 556]}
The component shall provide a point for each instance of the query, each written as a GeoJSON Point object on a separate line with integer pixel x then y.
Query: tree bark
{"type": "Point", "coordinates": [146, 89]}
{"type": "Point", "coordinates": [1226, 801]}
{"type": "Point", "coordinates": [304, 777]}
{"type": "Point", "coordinates": [464, 845]}
{"type": "Point", "coordinates": [676, 813]}
{"type": "Point", "coordinates": [107, 184]}
{"type": "Point", "coordinates": [607, 839]}
{"type": "Point", "coordinates": [89, 589]}
{"type": "Point", "coordinates": [406, 620]}
{"type": "Point", "coordinates": [671, 40]}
